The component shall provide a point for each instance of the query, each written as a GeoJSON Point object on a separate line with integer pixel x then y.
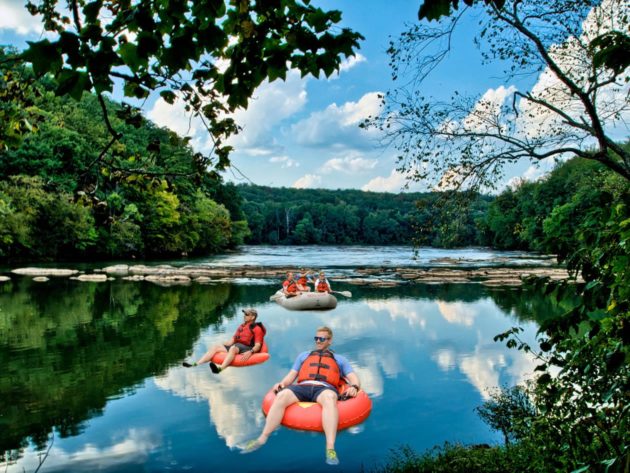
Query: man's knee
{"type": "Point", "coordinates": [234, 349]}
{"type": "Point", "coordinates": [327, 397]}
{"type": "Point", "coordinates": [285, 397]}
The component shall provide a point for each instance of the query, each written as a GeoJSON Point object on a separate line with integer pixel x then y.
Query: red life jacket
{"type": "Point", "coordinates": [322, 286]}
{"type": "Point", "coordinates": [290, 287]}
{"type": "Point", "coordinates": [245, 333]}
{"type": "Point", "coordinates": [302, 281]}
{"type": "Point", "coordinates": [320, 365]}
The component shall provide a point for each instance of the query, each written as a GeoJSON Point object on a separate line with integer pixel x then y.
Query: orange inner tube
{"type": "Point", "coordinates": [256, 358]}
{"type": "Point", "coordinates": [308, 415]}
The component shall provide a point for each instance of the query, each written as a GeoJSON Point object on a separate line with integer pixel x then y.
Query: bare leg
{"type": "Point", "coordinates": [283, 400]}
{"type": "Point", "coordinates": [229, 358]}
{"type": "Point", "coordinates": [210, 354]}
{"type": "Point", "coordinates": [330, 416]}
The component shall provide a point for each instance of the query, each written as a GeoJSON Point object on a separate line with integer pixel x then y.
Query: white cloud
{"type": "Point", "coordinates": [285, 161]}
{"type": "Point", "coordinates": [352, 163]}
{"type": "Point", "coordinates": [339, 125]}
{"type": "Point", "coordinates": [392, 183]}
{"type": "Point", "coordinates": [175, 118]}
{"type": "Point", "coordinates": [414, 313]}
{"type": "Point", "coordinates": [135, 448]}
{"type": "Point", "coordinates": [272, 103]}
{"type": "Point", "coordinates": [308, 181]}
{"type": "Point", "coordinates": [488, 106]}
{"type": "Point", "coordinates": [14, 16]}
{"type": "Point", "coordinates": [457, 312]}
{"type": "Point", "coordinates": [445, 358]}
{"type": "Point", "coordinates": [350, 63]}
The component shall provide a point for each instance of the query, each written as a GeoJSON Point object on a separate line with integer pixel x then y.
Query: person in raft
{"type": "Point", "coordinates": [318, 372]}
{"type": "Point", "coordinates": [322, 284]}
{"type": "Point", "coordinates": [303, 280]}
{"type": "Point", "coordinates": [246, 341]}
{"type": "Point", "coordinates": [289, 286]}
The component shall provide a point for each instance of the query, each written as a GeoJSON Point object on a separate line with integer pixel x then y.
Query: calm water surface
{"type": "Point", "coordinates": [92, 373]}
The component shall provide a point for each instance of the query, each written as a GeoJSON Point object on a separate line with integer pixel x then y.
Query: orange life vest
{"type": "Point", "coordinates": [320, 365]}
{"type": "Point", "coordinates": [322, 286]}
{"type": "Point", "coordinates": [245, 333]}
{"type": "Point", "coordinates": [290, 287]}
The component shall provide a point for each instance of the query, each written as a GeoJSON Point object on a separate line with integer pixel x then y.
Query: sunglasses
{"type": "Point", "coordinates": [320, 339]}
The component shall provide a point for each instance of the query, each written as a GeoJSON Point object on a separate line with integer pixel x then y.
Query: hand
{"type": "Point", "coordinates": [278, 387]}
{"type": "Point", "coordinates": [352, 391]}
{"type": "Point", "coordinates": [246, 355]}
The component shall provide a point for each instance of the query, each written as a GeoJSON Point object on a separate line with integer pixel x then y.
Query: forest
{"type": "Point", "coordinates": [153, 198]}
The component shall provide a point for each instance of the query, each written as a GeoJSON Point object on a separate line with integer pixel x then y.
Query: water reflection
{"type": "Point", "coordinates": [99, 366]}
{"type": "Point", "coordinates": [133, 448]}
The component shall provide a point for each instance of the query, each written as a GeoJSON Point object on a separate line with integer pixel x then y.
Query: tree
{"type": "Point", "coordinates": [465, 142]}
{"type": "Point", "coordinates": [212, 54]}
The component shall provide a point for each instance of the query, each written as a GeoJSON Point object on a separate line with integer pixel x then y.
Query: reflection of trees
{"type": "Point", "coordinates": [525, 304]}
{"type": "Point", "coordinates": [67, 347]}
{"type": "Point", "coordinates": [443, 292]}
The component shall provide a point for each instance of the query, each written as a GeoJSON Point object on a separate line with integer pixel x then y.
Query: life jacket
{"type": "Point", "coordinates": [302, 281]}
{"type": "Point", "coordinates": [322, 286]}
{"type": "Point", "coordinates": [245, 333]}
{"type": "Point", "coordinates": [290, 287]}
{"type": "Point", "coordinates": [320, 365]}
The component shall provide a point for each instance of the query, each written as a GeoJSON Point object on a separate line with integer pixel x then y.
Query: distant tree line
{"type": "Point", "coordinates": [531, 216]}
{"type": "Point", "coordinates": [290, 216]}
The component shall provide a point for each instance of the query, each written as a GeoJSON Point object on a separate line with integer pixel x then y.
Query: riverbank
{"type": "Point", "coordinates": [362, 276]}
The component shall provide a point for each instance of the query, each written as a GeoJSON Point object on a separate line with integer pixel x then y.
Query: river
{"type": "Point", "coordinates": [92, 376]}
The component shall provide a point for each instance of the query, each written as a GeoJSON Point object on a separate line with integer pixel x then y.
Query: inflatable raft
{"type": "Point", "coordinates": [256, 358]}
{"type": "Point", "coordinates": [306, 301]}
{"type": "Point", "coordinates": [308, 415]}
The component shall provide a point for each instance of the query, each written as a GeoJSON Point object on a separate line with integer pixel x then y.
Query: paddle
{"type": "Point", "coordinates": [343, 293]}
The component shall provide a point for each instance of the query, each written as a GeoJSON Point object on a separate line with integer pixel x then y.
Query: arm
{"type": "Point", "coordinates": [286, 381]}
{"type": "Point", "coordinates": [247, 354]}
{"type": "Point", "coordinates": [355, 384]}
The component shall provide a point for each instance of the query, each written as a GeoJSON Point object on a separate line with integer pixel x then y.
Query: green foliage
{"type": "Point", "coordinates": [542, 216]}
{"type": "Point", "coordinates": [142, 202]}
{"type": "Point", "coordinates": [582, 391]}
{"type": "Point", "coordinates": [18, 116]}
{"type": "Point", "coordinates": [38, 223]}
{"type": "Point", "coordinates": [509, 411]}
{"type": "Point", "coordinates": [453, 458]}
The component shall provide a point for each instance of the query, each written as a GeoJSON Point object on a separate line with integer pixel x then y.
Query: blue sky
{"type": "Point", "coordinates": [304, 132]}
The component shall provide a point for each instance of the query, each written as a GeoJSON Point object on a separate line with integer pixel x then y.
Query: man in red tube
{"type": "Point", "coordinates": [318, 373]}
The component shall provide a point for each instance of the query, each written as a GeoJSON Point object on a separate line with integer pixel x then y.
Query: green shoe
{"type": "Point", "coordinates": [331, 457]}
{"type": "Point", "coordinates": [251, 446]}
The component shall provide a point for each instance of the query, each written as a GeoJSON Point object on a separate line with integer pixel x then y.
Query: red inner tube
{"type": "Point", "coordinates": [256, 358]}
{"type": "Point", "coordinates": [308, 415]}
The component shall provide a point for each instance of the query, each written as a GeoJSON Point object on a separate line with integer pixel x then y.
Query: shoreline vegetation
{"type": "Point", "coordinates": [167, 275]}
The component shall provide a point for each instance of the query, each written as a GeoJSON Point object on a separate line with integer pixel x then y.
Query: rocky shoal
{"type": "Point", "coordinates": [167, 275]}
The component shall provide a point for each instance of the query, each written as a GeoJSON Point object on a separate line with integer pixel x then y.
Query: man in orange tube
{"type": "Point", "coordinates": [246, 341]}
{"type": "Point", "coordinates": [318, 373]}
